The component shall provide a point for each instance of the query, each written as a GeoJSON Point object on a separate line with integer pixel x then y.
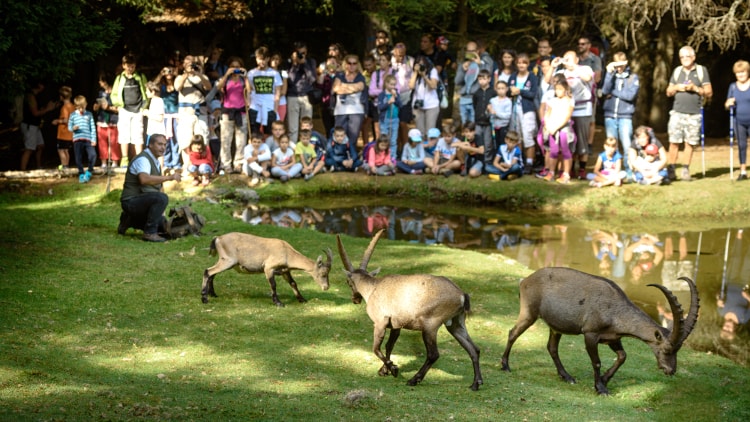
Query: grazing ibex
{"type": "Point", "coordinates": [415, 302]}
{"type": "Point", "coordinates": [253, 255]}
{"type": "Point", "coordinates": [573, 302]}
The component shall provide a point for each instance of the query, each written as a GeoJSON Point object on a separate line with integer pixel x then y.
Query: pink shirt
{"type": "Point", "coordinates": [234, 97]}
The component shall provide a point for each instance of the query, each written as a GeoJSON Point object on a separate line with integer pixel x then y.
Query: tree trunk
{"type": "Point", "coordinates": [653, 64]}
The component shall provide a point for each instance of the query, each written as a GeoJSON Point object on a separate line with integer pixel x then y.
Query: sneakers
{"type": "Point", "coordinates": [81, 178]}
{"type": "Point", "coordinates": [153, 237]}
{"type": "Point", "coordinates": [494, 177]}
{"type": "Point", "coordinates": [447, 173]}
{"type": "Point", "coordinates": [685, 175]}
{"type": "Point", "coordinates": [308, 177]}
{"type": "Point", "coordinates": [742, 177]}
{"type": "Point", "coordinates": [205, 182]}
{"type": "Point", "coordinates": [124, 162]}
{"type": "Point", "coordinates": [542, 173]}
{"type": "Point", "coordinates": [284, 179]}
{"type": "Point", "coordinates": [511, 177]}
{"type": "Point", "coordinates": [549, 176]}
{"type": "Point", "coordinates": [565, 178]}
{"type": "Point", "coordinates": [331, 169]}
{"type": "Point", "coordinates": [671, 173]}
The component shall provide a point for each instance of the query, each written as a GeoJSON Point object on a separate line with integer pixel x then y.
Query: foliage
{"type": "Point", "coordinates": [98, 326]}
{"type": "Point", "coordinates": [44, 40]}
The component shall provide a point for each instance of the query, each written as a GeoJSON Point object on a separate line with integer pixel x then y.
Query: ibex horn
{"type": "Point", "coordinates": [344, 257]}
{"type": "Point", "coordinates": [370, 250]}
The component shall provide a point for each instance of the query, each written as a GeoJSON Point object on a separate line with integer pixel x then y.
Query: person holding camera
{"type": "Point", "coordinates": [234, 86]}
{"type": "Point", "coordinates": [300, 84]}
{"type": "Point", "coordinates": [424, 100]}
{"type": "Point", "coordinates": [192, 86]}
{"type": "Point", "coordinates": [466, 78]}
{"type": "Point", "coordinates": [265, 94]}
{"type": "Point", "coordinates": [620, 92]}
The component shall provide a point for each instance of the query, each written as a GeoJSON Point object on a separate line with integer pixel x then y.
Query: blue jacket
{"type": "Point", "coordinates": [620, 91]}
{"type": "Point", "coordinates": [339, 152]}
{"type": "Point", "coordinates": [528, 92]}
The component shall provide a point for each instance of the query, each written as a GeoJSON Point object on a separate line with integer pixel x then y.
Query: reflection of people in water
{"type": "Point", "coordinates": [643, 256]}
{"type": "Point", "coordinates": [676, 266]}
{"type": "Point", "coordinates": [605, 247]}
{"type": "Point", "coordinates": [734, 304]}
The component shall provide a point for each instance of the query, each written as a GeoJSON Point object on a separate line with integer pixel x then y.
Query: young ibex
{"type": "Point", "coordinates": [415, 302]}
{"type": "Point", "coordinates": [573, 302]}
{"type": "Point", "coordinates": [253, 255]}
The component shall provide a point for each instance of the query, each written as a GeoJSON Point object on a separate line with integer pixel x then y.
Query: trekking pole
{"type": "Point", "coordinates": [731, 143]}
{"type": "Point", "coordinates": [703, 146]}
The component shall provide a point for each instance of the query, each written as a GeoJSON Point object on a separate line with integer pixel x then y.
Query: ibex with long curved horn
{"type": "Point", "coordinates": [417, 302]}
{"type": "Point", "coordinates": [253, 255]}
{"type": "Point", "coordinates": [573, 302]}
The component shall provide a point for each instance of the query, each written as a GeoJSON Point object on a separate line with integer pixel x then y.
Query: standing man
{"type": "Point", "coordinates": [620, 91]}
{"type": "Point", "coordinates": [382, 44]}
{"type": "Point", "coordinates": [143, 201]}
{"type": "Point", "coordinates": [580, 79]}
{"type": "Point", "coordinates": [301, 79]}
{"type": "Point", "coordinates": [33, 142]}
{"type": "Point", "coordinates": [466, 79]}
{"type": "Point", "coordinates": [544, 50]}
{"type": "Point", "coordinates": [689, 85]}
{"type": "Point", "coordinates": [587, 58]}
{"type": "Point", "coordinates": [129, 98]}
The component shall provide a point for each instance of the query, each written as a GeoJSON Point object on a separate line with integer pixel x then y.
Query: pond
{"type": "Point", "coordinates": [717, 259]}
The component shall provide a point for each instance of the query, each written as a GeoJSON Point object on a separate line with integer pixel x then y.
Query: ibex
{"type": "Point", "coordinates": [253, 255]}
{"type": "Point", "coordinates": [573, 302]}
{"type": "Point", "coordinates": [415, 302]}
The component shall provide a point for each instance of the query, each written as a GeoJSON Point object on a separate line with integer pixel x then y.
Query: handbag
{"type": "Point", "coordinates": [315, 96]}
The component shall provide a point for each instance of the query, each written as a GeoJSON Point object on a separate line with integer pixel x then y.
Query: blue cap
{"type": "Point", "coordinates": [433, 133]}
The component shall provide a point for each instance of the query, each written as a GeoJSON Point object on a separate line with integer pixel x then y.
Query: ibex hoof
{"type": "Point", "coordinates": [394, 371]}
{"type": "Point", "coordinates": [279, 304]}
{"type": "Point", "coordinates": [204, 299]}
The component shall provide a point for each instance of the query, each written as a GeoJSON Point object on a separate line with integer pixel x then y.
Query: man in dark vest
{"type": "Point", "coordinates": [143, 202]}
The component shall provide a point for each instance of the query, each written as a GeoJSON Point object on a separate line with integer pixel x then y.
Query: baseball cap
{"type": "Point", "coordinates": [433, 133]}
{"type": "Point", "coordinates": [652, 149]}
{"type": "Point", "coordinates": [415, 135]}
{"type": "Point", "coordinates": [441, 40]}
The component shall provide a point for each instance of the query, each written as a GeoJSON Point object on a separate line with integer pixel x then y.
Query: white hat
{"type": "Point", "coordinates": [415, 135]}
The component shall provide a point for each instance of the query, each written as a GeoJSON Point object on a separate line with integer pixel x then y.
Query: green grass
{"type": "Point", "coordinates": [97, 326]}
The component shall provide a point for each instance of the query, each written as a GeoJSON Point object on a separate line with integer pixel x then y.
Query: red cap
{"type": "Point", "coordinates": [652, 149]}
{"type": "Point", "coordinates": [441, 40]}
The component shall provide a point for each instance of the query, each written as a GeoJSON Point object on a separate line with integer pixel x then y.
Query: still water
{"type": "Point", "coordinates": [717, 259]}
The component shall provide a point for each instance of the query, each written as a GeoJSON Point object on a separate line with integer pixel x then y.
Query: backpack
{"type": "Point", "coordinates": [183, 221]}
{"type": "Point", "coordinates": [698, 68]}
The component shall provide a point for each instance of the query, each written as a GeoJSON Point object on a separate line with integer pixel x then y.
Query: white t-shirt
{"type": "Point", "coordinates": [155, 124]}
{"type": "Point", "coordinates": [423, 92]}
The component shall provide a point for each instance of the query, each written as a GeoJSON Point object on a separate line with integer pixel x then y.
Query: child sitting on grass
{"type": "Point", "coordinates": [312, 160]}
{"type": "Point", "coordinates": [201, 161]}
{"type": "Point", "coordinates": [81, 122]}
{"type": "Point", "coordinates": [378, 162]}
{"type": "Point", "coordinates": [284, 165]}
{"type": "Point", "coordinates": [508, 164]}
{"type": "Point", "coordinates": [257, 158]}
{"type": "Point", "coordinates": [412, 156]}
{"type": "Point", "coordinates": [608, 166]}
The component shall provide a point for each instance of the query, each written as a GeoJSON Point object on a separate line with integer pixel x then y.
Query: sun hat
{"type": "Point", "coordinates": [415, 135]}
{"type": "Point", "coordinates": [433, 133]}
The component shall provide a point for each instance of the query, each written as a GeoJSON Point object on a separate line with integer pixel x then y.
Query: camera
{"type": "Point", "coordinates": [418, 104]}
{"type": "Point", "coordinates": [238, 71]}
{"type": "Point", "coordinates": [196, 67]}
{"type": "Point", "coordinates": [301, 55]}
{"type": "Point", "coordinates": [420, 67]}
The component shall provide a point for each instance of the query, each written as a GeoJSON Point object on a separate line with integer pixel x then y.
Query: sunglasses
{"type": "Point", "coordinates": [352, 63]}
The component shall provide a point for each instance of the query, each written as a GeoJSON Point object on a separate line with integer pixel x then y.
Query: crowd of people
{"type": "Point", "coordinates": [382, 115]}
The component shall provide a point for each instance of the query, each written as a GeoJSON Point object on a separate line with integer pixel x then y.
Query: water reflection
{"type": "Point", "coordinates": [718, 260]}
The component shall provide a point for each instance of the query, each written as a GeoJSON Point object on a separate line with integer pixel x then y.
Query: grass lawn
{"type": "Point", "coordinates": [97, 326]}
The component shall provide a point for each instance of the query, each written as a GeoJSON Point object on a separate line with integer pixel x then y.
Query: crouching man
{"type": "Point", "coordinates": [143, 202]}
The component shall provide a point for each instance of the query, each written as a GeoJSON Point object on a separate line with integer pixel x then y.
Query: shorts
{"type": "Point", "coordinates": [64, 144]}
{"type": "Point", "coordinates": [32, 136]}
{"type": "Point", "coordinates": [684, 127]}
